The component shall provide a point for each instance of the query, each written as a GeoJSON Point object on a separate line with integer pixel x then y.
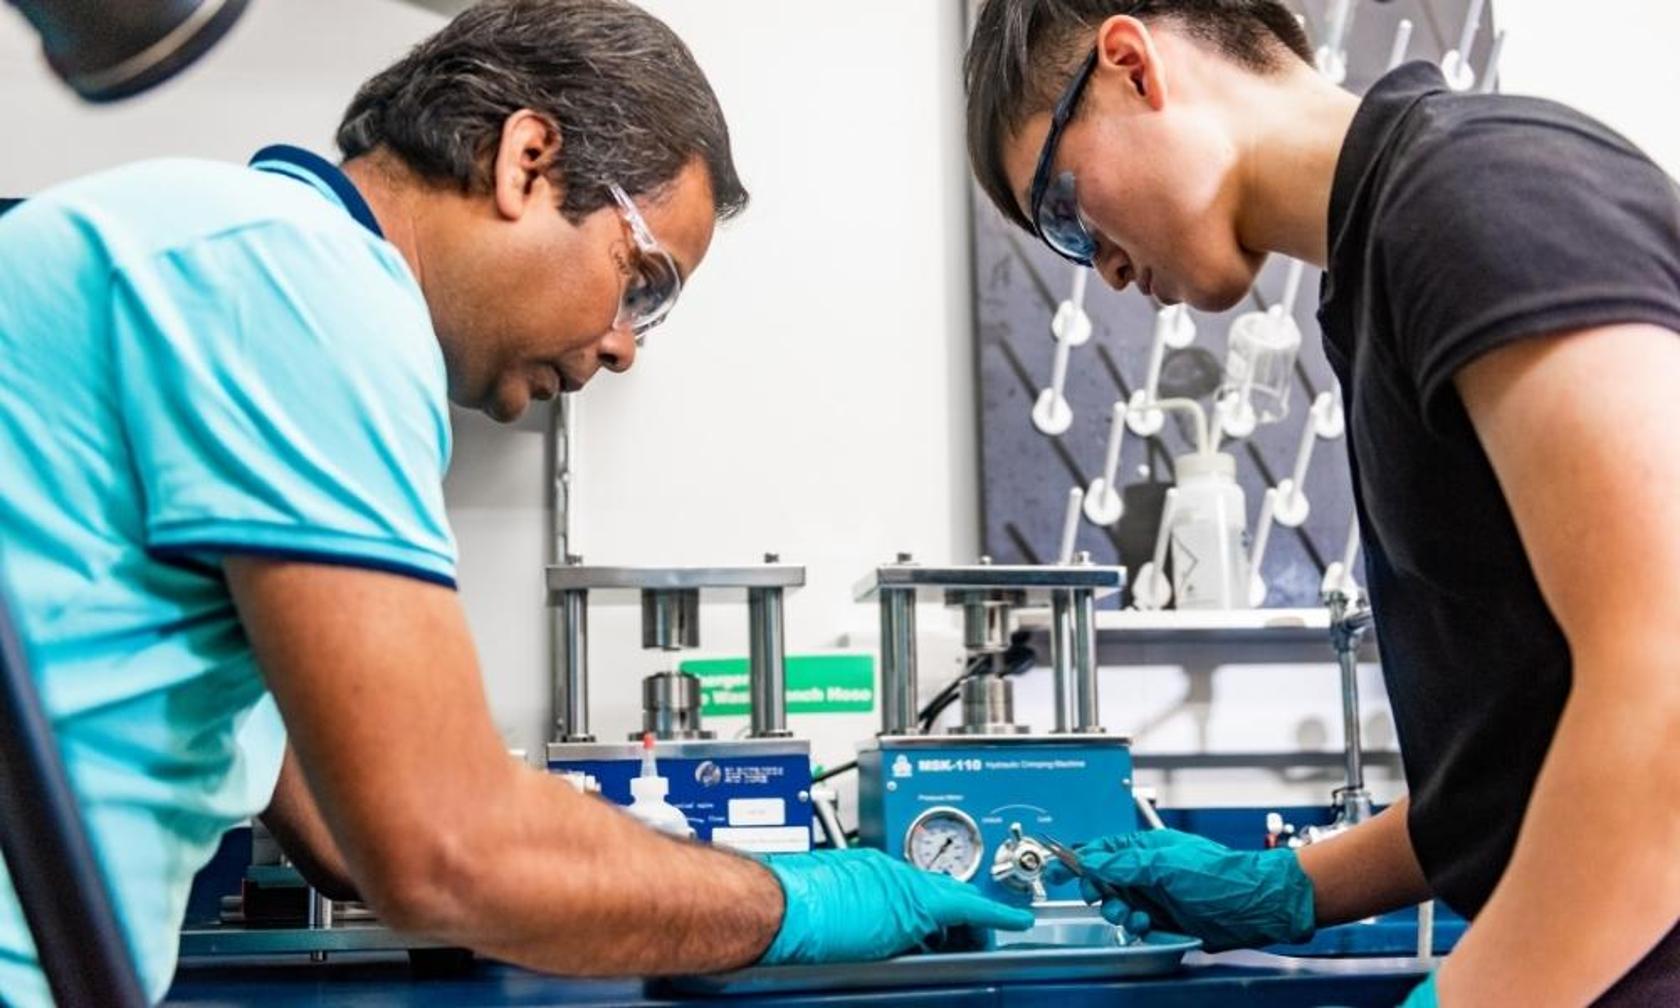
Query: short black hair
{"type": "Point", "coordinates": [625, 95]}
{"type": "Point", "coordinates": [1024, 52]}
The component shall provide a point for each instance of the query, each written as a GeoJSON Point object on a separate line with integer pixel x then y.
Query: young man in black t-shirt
{"type": "Point", "coordinates": [1501, 302]}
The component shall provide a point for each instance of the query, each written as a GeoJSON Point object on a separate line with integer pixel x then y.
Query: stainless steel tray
{"type": "Point", "coordinates": [1057, 952]}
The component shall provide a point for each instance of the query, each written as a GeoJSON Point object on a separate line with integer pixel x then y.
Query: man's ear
{"type": "Point", "coordinates": [520, 177]}
{"type": "Point", "coordinates": [1127, 52]}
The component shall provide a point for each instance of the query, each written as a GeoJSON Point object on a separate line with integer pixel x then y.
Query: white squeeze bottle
{"type": "Point", "coordinates": [648, 797]}
{"type": "Point", "coordinates": [1210, 566]}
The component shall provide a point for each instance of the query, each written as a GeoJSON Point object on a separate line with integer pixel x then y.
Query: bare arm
{"type": "Point", "coordinates": [1368, 870]}
{"type": "Point", "coordinates": [1582, 431]}
{"type": "Point", "coordinates": [297, 825]}
{"type": "Point", "coordinates": [442, 831]}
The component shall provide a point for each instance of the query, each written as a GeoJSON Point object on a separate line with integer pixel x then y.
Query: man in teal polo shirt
{"type": "Point", "coordinates": [223, 430]}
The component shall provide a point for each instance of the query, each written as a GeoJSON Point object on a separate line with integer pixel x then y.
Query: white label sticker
{"type": "Point", "coordinates": [764, 839]}
{"type": "Point", "coordinates": [757, 812]}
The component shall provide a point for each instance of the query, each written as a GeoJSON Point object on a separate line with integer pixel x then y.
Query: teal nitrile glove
{"type": "Point", "coordinates": [1228, 898]}
{"type": "Point", "coordinates": [856, 905]}
{"type": "Point", "coordinates": [1422, 996]}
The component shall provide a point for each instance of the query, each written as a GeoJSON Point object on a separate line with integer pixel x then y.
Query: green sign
{"type": "Point", "coordinates": [816, 684]}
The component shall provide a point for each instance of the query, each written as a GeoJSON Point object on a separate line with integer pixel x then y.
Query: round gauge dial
{"type": "Point", "coordinates": [944, 840]}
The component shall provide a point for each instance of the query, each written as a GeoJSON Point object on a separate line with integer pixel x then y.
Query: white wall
{"type": "Point", "coordinates": [813, 393]}
{"type": "Point", "coordinates": [1613, 59]}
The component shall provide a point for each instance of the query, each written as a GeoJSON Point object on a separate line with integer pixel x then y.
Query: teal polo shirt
{"type": "Point", "coordinates": [196, 360]}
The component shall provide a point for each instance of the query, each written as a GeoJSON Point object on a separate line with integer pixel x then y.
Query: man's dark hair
{"type": "Point", "coordinates": [629, 102]}
{"type": "Point", "coordinates": [1025, 51]}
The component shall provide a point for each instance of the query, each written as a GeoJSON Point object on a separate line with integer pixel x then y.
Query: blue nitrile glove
{"type": "Point", "coordinates": [1422, 996]}
{"type": "Point", "coordinates": [1228, 898]}
{"type": "Point", "coordinates": [855, 905]}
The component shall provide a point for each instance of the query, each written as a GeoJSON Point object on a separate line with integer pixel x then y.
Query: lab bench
{"type": "Point", "coordinates": [1231, 980]}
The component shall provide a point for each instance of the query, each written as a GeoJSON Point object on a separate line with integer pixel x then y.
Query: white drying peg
{"type": "Point", "coordinates": [1142, 415]}
{"type": "Point", "coordinates": [1257, 552]}
{"type": "Point", "coordinates": [1292, 286]}
{"type": "Point", "coordinates": [1070, 526]}
{"type": "Point", "coordinates": [1103, 503]}
{"type": "Point", "coordinates": [1402, 44]}
{"type": "Point", "coordinates": [1292, 505]}
{"type": "Point", "coordinates": [1051, 414]}
{"type": "Point", "coordinates": [1071, 325]}
{"type": "Point", "coordinates": [1455, 65]}
{"type": "Point", "coordinates": [1180, 327]}
{"type": "Point", "coordinates": [1332, 55]}
{"type": "Point", "coordinates": [1339, 575]}
{"type": "Point", "coordinates": [1329, 422]}
{"type": "Point", "coordinates": [1490, 73]}
{"type": "Point", "coordinates": [1151, 589]}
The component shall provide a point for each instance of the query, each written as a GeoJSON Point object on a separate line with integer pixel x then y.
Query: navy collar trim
{"type": "Point", "coordinates": [307, 166]}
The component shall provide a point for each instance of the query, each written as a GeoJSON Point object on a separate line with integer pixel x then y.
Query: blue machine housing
{"type": "Point", "coordinates": [1073, 787]}
{"type": "Point", "coordinates": [751, 794]}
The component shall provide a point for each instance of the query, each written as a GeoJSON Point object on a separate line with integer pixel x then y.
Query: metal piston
{"type": "Point", "coordinates": [671, 707]}
{"type": "Point", "coordinates": [988, 707]}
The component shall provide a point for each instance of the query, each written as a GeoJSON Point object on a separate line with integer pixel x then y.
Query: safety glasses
{"type": "Point", "coordinates": [1054, 202]}
{"type": "Point", "coordinates": [652, 289]}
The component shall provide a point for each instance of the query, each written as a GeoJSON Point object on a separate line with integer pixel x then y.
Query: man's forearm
{"type": "Point", "coordinates": [1368, 870]}
{"type": "Point", "coordinates": [1594, 881]}
{"type": "Point", "coordinates": [565, 883]}
{"type": "Point", "coordinates": [296, 823]}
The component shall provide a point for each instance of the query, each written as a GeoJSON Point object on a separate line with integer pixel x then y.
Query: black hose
{"type": "Point", "coordinates": [834, 771]}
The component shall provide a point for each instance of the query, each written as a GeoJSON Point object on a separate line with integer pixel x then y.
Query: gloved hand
{"type": "Point", "coordinates": [1422, 996]}
{"type": "Point", "coordinates": [1186, 883]}
{"type": "Point", "coordinates": [856, 905]}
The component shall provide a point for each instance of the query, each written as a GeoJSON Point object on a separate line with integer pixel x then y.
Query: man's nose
{"type": "Point", "coordinates": [617, 351]}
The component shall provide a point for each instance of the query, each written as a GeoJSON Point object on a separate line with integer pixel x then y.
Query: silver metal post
{"type": "Point", "coordinates": [768, 669]}
{"type": "Point", "coordinates": [898, 662]}
{"type": "Point", "coordinates": [567, 629]}
{"type": "Point", "coordinates": [1085, 715]}
{"type": "Point", "coordinates": [1349, 622]}
{"type": "Point", "coordinates": [319, 918]}
{"type": "Point", "coordinates": [1350, 719]}
{"type": "Point", "coordinates": [1062, 660]}
{"type": "Point", "coordinates": [571, 688]}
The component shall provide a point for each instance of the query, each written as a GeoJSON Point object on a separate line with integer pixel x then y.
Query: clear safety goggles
{"type": "Point", "coordinates": [1054, 202]}
{"type": "Point", "coordinates": [655, 282]}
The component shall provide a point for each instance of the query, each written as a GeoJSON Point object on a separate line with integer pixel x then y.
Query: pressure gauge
{"type": "Point", "coordinates": [945, 840]}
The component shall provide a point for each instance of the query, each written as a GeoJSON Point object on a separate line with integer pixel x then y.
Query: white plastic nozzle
{"type": "Point", "coordinates": [1402, 44]}
{"type": "Point", "coordinates": [1070, 526]}
{"type": "Point", "coordinates": [1103, 503]}
{"type": "Point", "coordinates": [650, 768]}
{"type": "Point", "coordinates": [649, 786]}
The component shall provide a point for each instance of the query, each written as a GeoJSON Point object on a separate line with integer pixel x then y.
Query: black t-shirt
{"type": "Point", "coordinates": [1460, 223]}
